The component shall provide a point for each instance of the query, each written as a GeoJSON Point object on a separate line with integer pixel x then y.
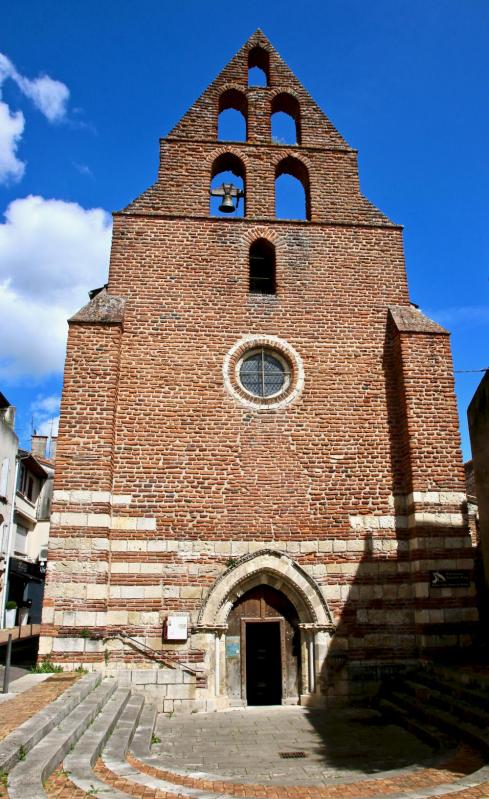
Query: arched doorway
{"type": "Point", "coordinates": [266, 568]}
{"type": "Point", "coordinates": [263, 648]}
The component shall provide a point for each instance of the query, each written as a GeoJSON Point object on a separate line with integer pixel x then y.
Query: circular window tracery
{"type": "Point", "coordinates": [263, 372]}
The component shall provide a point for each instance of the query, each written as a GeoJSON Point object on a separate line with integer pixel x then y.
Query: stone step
{"type": "Point", "coordinates": [461, 677]}
{"type": "Point", "coordinates": [25, 737]}
{"type": "Point", "coordinates": [451, 687]}
{"type": "Point", "coordinates": [140, 746]}
{"type": "Point", "coordinates": [133, 733]}
{"type": "Point", "coordinates": [444, 720]}
{"type": "Point", "coordinates": [422, 729]}
{"type": "Point", "coordinates": [120, 740]}
{"type": "Point", "coordinates": [80, 761]}
{"type": "Point", "coordinates": [432, 695]}
{"type": "Point", "coordinates": [27, 777]}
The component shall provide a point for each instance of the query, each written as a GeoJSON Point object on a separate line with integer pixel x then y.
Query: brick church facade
{"type": "Point", "coordinates": [256, 483]}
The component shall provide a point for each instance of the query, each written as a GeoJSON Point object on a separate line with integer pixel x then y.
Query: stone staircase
{"type": "Point", "coordinates": [441, 704]}
{"type": "Point", "coordinates": [101, 732]}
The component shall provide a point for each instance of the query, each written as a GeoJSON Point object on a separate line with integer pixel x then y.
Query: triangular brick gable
{"type": "Point", "coordinates": [200, 120]}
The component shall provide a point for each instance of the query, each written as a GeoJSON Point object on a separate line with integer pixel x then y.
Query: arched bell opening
{"type": "Point", "coordinates": [263, 649]}
{"type": "Point", "coordinates": [285, 119]}
{"type": "Point", "coordinates": [258, 67]}
{"type": "Point", "coordinates": [227, 186]}
{"type": "Point", "coordinates": [232, 121]}
{"type": "Point", "coordinates": [292, 190]}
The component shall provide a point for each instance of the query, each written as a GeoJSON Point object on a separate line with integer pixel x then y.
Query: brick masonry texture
{"type": "Point", "coordinates": [164, 478]}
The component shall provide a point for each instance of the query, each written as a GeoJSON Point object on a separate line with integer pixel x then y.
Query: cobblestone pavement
{"type": "Point", "coordinates": [245, 745]}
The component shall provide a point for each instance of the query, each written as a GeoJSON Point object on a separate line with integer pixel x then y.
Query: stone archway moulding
{"type": "Point", "coordinates": [271, 568]}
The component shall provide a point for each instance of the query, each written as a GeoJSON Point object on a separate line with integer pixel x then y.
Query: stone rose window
{"type": "Point", "coordinates": [263, 372]}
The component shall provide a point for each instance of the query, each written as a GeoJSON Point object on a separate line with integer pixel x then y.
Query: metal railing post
{"type": "Point", "coordinates": [6, 674]}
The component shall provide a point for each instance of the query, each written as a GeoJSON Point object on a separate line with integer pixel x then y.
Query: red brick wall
{"type": "Point", "coordinates": [329, 478]}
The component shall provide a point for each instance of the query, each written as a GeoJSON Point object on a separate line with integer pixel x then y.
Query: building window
{"type": "Point", "coordinates": [20, 545]}
{"type": "Point", "coordinates": [4, 478]}
{"type": "Point", "coordinates": [258, 67]}
{"type": "Point", "coordinates": [264, 373]}
{"type": "Point", "coordinates": [262, 267]}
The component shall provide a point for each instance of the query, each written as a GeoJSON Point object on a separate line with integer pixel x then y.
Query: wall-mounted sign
{"type": "Point", "coordinates": [176, 628]}
{"type": "Point", "coordinates": [450, 578]}
{"type": "Point", "coordinates": [232, 646]}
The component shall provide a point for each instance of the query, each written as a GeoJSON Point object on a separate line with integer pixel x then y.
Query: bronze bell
{"type": "Point", "coordinates": [229, 193]}
{"type": "Point", "coordinates": [227, 205]}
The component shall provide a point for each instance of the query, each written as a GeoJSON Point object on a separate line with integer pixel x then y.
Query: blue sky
{"type": "Point", "coordinates": [404, 82]}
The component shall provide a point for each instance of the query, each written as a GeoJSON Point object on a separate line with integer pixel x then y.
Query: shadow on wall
{"type": "Point", "coordinates": [375, 635]}
{"type": "Point", "coordinates": [389, 605]}
{"type": "Point", "coordinates": [357, 740]}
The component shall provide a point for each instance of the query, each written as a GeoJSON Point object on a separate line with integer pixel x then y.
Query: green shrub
{"type": "Point", "coordinates": [10, 605]}
{"type": "Point", "coordinates": [45, 667]}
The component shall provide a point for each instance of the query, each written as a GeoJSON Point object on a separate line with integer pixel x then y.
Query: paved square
{"type": "Point", "coordinates": [244, 745]}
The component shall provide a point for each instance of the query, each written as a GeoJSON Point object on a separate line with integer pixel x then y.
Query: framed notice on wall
{"type": "Point", "coordinates": [176, 628]}
{"type": "Point", "coordinates": [450, 578]}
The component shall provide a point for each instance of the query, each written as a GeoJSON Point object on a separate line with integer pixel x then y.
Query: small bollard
{"type": "Point", "coordinates": [6, 674]}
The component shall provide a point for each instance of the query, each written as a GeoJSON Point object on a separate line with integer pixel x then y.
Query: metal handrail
{"type": "Point", "coordinates": [168, 660]}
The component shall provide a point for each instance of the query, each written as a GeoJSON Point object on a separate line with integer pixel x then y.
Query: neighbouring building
{"type": "Point", "coordinates": [9, 444]}
{"type": "Point", "coordinates": [258, 476]}
{"type": "Point", "coordinates": [478, 415]}
{"type": "Point", "coordinates": [30, 532]}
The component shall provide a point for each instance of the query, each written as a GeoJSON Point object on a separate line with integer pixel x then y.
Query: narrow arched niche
{"type": "Point", "coordinates": [292, 190]}
{"type": "Point", "coordinates": [262, 278]}
{"type": "Point", "coordinates": [232, 123]}
{"type": "Point", "coordinates": [258, 67]}
{"type": "Point", "coordinates": [285, 119]}
{"type": "Point", "coordinates": [228, 168]}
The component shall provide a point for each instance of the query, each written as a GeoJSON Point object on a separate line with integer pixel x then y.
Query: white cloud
{"type": "Point", "coordinates": [51, 253]}
{"type": "Point", "coordinates": [11, 129]}
{"type": "Point", "coordinates": [42, 410]}
{"type": "Point", "coordinates": [48, 427]}
{"type": "Point", "coordinates": [46, 405]}
{"type": "Point", "coordinates": [83, 169]}
{"type": "Point", "coordinates": [48, 95]}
